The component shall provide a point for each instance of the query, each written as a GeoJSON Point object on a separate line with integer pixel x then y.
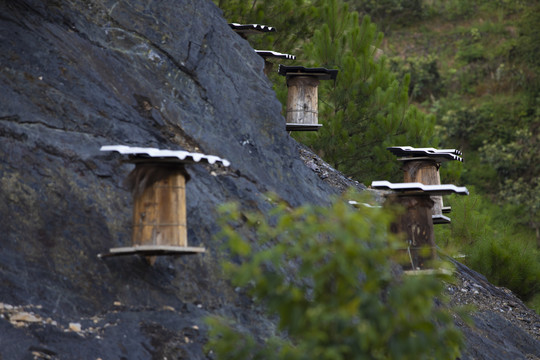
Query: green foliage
{"type": "Point", "coordinates": [529, 37]}
{"type": "Point", "coordinates": [470, 51]}
{"type": "Point", "coordinates": [486, 100]}
{"type": "Point", "coordinates": [534, 303]}
{"type": "Point", "coordinates": [470, 221]}
{"type": "Point", "coordinates": [425, 78]}
{"type": "Point", "coordinates": [499, 161]}
{"type": "Point", "coordinates": [492, 113]}
{"type": "Point", "coordinates": [389, 13]}
{"type": "Point", "coordinates": [325, 273]}
{"type": "Point", "coordinates": [293, 20]}
{"type": "Point", "coordinates": [461, 9]}
{"type": "Point", "coordinates": [506, 261]}
{"type": "Point", "coordinates": [367, 109]}
{"type": "Point", "coordinates": [495, 245]}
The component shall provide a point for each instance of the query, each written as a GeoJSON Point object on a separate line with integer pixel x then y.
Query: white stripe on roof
{"type": "Point", "coordinates": [416, 186]}
{"type": "Point", "coordinates": [159, 153]}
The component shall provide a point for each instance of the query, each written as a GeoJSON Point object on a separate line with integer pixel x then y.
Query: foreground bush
{"type": "Point", "coordinates": [325, 273]}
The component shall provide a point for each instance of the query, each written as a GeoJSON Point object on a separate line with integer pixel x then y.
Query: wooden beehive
{"type": "Point", "coordinates": [416, 221]}
{"type": "Point", "coordinates": [417, 225]}
{"type": "Point", "coordinates": [159, 211]}
{"type": "Point", "coordinates": [302, 97]}
{"type": "Point", "coordinates": [425, 171]}
{"type": "Point", "coordinates": [158, 184]}
{"type": "Point", "coordinates": [422, 165]}
{"type": "Point", "coordinates": [302, 100]}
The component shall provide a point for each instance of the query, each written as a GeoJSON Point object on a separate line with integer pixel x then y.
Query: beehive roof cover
{"type": "Point", "coordinates": [441, 154]}
{"type": "Point", "coordinates": [251, 28]}
{"type": "Point", "coordinates": [275, 54]}
{"type": "Point", "coordinates": [358, 204]}
{"type": "Point", "coordinates": [321, 73]}
{"type": "Point", "coordinates": [416, 187]}
{"type": "Point", "coordinates": [183, 156]}
{"type": "Point", "coordinates": [440, 219]}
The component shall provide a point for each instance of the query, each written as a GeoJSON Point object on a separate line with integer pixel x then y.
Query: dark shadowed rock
{"type": "Point", "coordinates": [76, 75]}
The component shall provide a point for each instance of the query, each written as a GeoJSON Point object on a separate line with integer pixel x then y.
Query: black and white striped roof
{"type": "Point", "coordinates": [274, 54]}
{"type": "Point", "coordinates": [320, 73]}
{"type": "Point", "coordinates": [416, 187]}
{"type": "Point", "coordinates": [437, 154]}
{"type": "Point", "coordinates": [141, 153]}
{"type": "Point", "coordinates": [251, 28]}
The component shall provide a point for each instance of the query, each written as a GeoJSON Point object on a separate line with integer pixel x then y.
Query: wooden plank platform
{"type": "Point", "coordinates": [416, 188]}
{"type": "Point", "coordinates": [433, 157]}
{"type": "Point", "coordinates": [302, 127]}
{"type": "Point", "coordinates": [153, 250]}
{"type": "Point", "coordinates": [409, 150]}
{"type": "Point", "coordinates": [440, 219]}
{"type": "Point", "coordinates": [274, 54]}
{"type": "Point", "coordinates": [320, 73]}
{"type": "Point", "coordinates": [248, 29]}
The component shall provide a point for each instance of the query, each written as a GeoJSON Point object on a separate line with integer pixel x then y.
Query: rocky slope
{"type": "Point", "coordinates": [77, 75]}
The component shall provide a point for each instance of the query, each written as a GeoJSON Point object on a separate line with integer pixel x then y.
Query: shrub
{"type": "Point", "coordinates": [507, 262]}
{"type": "Point", "coordinates": [425, 78]}
{"type": "Point", "coordinates": [325, 273]}
{"type": "Point", "coordinates": [494, 243]}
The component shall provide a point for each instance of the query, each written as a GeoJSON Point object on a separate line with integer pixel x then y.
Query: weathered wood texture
{"type": "Point", "coordinates": [415, 222]}
{"type": "Point", "coordinates": [159, 214]}
{"type": "Point", "coordinates": [302, 100]}
{"type": "Point", "coordinates": [426, 172]}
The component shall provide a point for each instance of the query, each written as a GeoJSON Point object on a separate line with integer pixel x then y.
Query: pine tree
{"type": "Point", "coordinates": [367, 109]}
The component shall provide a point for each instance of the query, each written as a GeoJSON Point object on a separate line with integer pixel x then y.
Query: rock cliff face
{"type": "Point", "coordinates": [76, 75]}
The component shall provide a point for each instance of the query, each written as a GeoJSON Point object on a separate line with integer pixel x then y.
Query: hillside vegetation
{"type": "Point", "coordinates": [474, 65]}
{"type": "Point", "coordinates": [454, 74]}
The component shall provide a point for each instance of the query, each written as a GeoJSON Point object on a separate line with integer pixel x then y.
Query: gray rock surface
{"type": "Point", "coordinates": [76, 75]}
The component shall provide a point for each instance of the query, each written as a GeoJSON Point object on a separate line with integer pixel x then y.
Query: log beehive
{"type": "Point", "coordinates": [302, 97]}
{"type": "Point", "coordinates": [302, 100]}
{"type": "Point", "coordinates": [158, 184]}
{"type": "Point", "coordinates": [416, 221]}
{"type": "Point", "coordinates": [422, 165]}
{"type": "Point", "coordinates": [426, 172]}
{"type": "Point", "coordinates": [159, 211]}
